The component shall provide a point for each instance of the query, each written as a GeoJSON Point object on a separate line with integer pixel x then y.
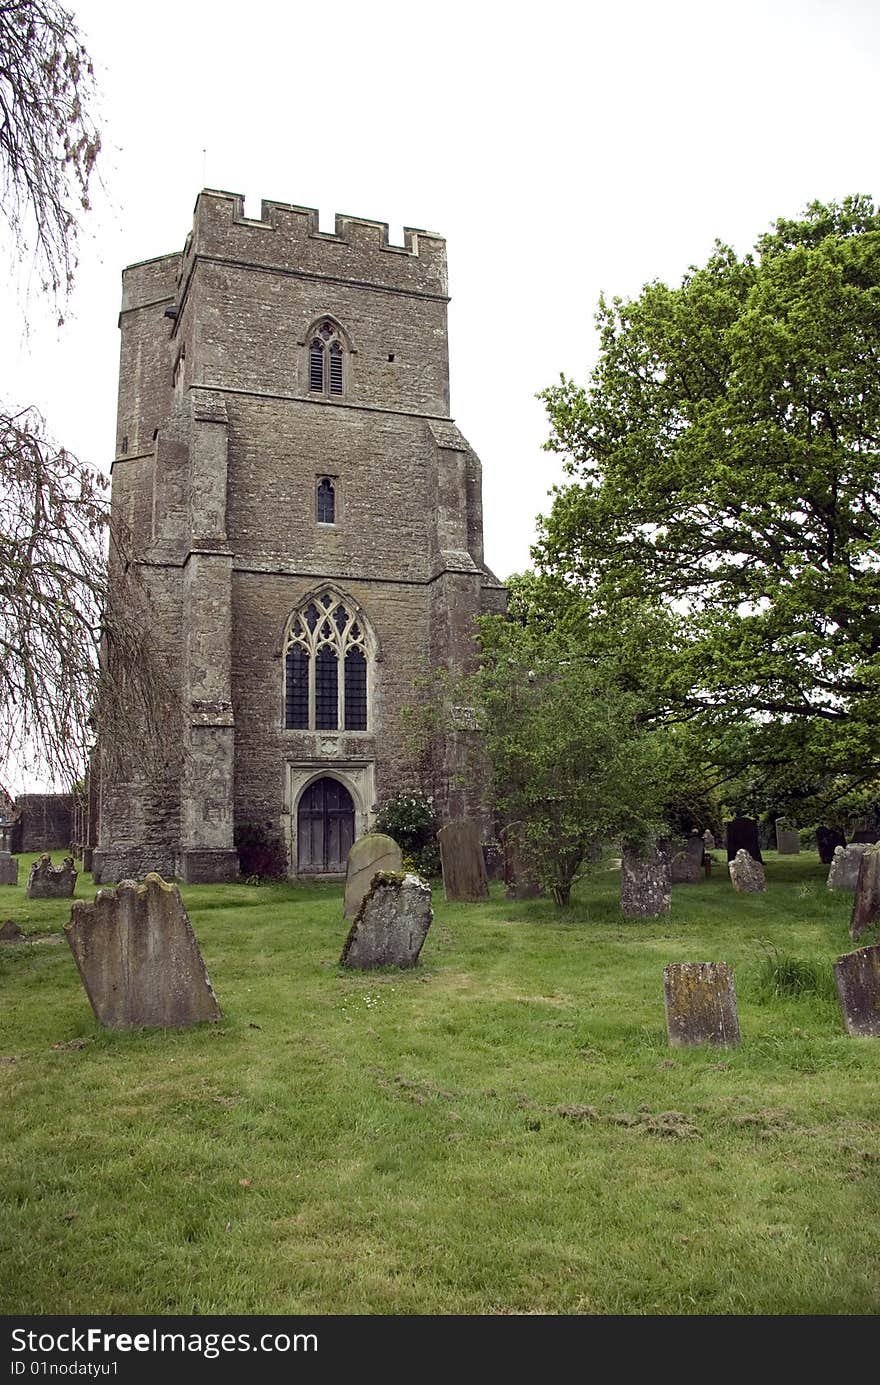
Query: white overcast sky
{"type": "Point", "coordinates": [563, 149]}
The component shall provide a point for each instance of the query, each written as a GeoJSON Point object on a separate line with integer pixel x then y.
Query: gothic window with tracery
{"type": "Point", "coordinates": [326, 501]}
{"type": "Point", "coordinates": [326, 667]}
{"type": "Point", "coordinates": [326, 360]}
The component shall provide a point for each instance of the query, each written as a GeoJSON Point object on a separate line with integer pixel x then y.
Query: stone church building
{"type": "Point", "coordinates": [307, 520]}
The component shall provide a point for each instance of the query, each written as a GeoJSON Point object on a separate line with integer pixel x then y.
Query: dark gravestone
{"type": "Point", "coordinates": [696, 847]}
{"type": "Point", "coordinates": [391, 924]}
{"type": "Point", "coordinates": [686, 869]}
{"type": "Point", "coordinates": [844, 872]}
{"type": "Point", "coordinates": [857, 976]}
{"type": "Point", "coordinates": [8, 869]}
{"type": "Point", "coordinates": [742, 835]}
{"type": "Point", "coordinates": [461, 855]}
{"type": "Point", "coordinates": [827, 838]}
{"type": "Point", "coordinates": [700, 1004]}
{"type": "Point", "coordinates": [88, 853]}
{"type": "Point", "coordinates": [645, 882]}
{"type": "Point", "coordinates": [368, 855]}
{"type": "Point", "coordinates": [746, 874]}
{"type": "Point", "coordinates": [51, 882]}
{"type": "Point", "coordinates": [866, 905]}
{"type": "Point", "coordinates": [10, 932]}
{"type": "Point", "coordinates": [519, 874]}
{"type": "Point", "coordinates": [138, 958]}
{"type": "Point", "coordinates": [868, 835]}
{"type": "Point", "coordinates": [788, 839]}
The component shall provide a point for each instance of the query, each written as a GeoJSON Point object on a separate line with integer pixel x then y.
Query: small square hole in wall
{"type": "Point", "coordinates": [391, 355]}
{"type": "Point", "coordinates": [123, 447]}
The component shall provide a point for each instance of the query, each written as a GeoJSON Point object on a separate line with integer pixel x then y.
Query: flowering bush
{"type": "Point", "coordinates": [411, 820]}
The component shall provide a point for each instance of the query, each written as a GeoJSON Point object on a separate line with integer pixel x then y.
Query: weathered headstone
{"type": "Point", "coordinates": [519, 874]}
{"type": "Point", "coordinates": [857, 976]}
{"type": "Point", "coordinates": [88, 853]}
{"type": "Point", "coordinates": [645, 882]}
{"type": "Point", "coordinates": [686, 869]}
{"type": "Point", "coordinates": [8, 869]}
{"type": "Point", "coordinates": [10, 932]}
{"type": "Point", "coordinates": [866, 905]}
{"type": "Point", "coordinates": [51, 882]}
{"type": "Point", "coordinates": [742, 835]}
{"type": "Point", "coordinates": [844, 872]}
{"type": "Point", "coordinates": [493, 859]}
{"type": "Point", "coordinates": [461, 855]}
{"type": "Point", "coordinates": [746, 874]}
{"type": "Point", "coordinates": [391, 924]}
{"type": "Point", "coordinates": [868, 835]}
{"type": "Point", "coordinates": [708, 840]}
{"type": "Point", "coordinates": [138, 957]}
{"type": "Point", "coordinates": [369, 854]}
{"type": "Point", "coordinates": [788, 839]}
{"type": "Point", "coordinates": [696, 847]}
{"type": "Point", "coordinates": [700, 1004]}
{"type": "Point", "coordinates": [827, 840]}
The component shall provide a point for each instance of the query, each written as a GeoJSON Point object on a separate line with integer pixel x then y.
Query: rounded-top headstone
{"type": "Point", "coordinates": [368, 855]}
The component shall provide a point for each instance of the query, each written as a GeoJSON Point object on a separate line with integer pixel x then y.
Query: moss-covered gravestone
{"type": "Point", "coordinates": [686, 869]}
{"type": "Point", "coordinates": [461, 856]}
{"type": "Point", "coordinates": [700, 1004]}
{"type": "Point", "coordinates": [857, 976]}
{"type": "Point", "coordinates": [844, 872]}
{"type": "Point", "coordinates": [138, 958]}
{"type": "Point", "coordinates": [746, 874]}
{"type": "Point", "coordinates": [369, 854]}
{"type": "Point", "coordinates": [391, 924]}
{"type": "Point", "coordinates": [866, 905]}
{"type": "Point", "coordinates": [645, 882]}
{"type": "Point", "coordinates": [51, 882]}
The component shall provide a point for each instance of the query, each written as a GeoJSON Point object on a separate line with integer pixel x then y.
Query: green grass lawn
{"type": "Point", "coordinates": [502, 1130]}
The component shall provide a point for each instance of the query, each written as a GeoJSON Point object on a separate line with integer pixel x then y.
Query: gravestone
{"type": "Point", "coordinates": [746, 874]}
{"type": "Point", "coordinates": [857, 977]}
{"type": "Point", "coordinates": [788, 840]}
{"type": "Point", "coordinates": [369, 854]}
{"type": "Point", "coordinates": [391, 924]}
{"type": "Point", "coordinates": [10, 932]}
{"type": "Point", "coordinates": [645, 882]}
{"type": "Point", "coordinates": [708, 840]}
{"type": "Point", "coordinates": [827, 840]}
{"type": "Point", "coordinates": [866, 905]}
{"type": "Point", "coordinates": [869, 836]}
{"type": "Point", "coordinates": [696, 847]}
{"type": "Point", "coordinates": [493, 859]}
{"type": "Point", "coordinates": [88, 853]}
{"type": "Point", "coordinates": [51, 882]}
{"type": "Point", "coordinates": [742, 835]}
{"type": "Point", "coordinates": [461, 855]}
{"type": "Point", "coordinates": [686, 869]}
{"type": "Point", "coordinates": [519, 875]}
{"type": "Point", "coordinates": [138, 958]}
{"type": "Point", "coordinates": [844, 872]}
{"type": "Point", "coordinates": [8, 869]}
{"type": "Point", "coordinates": [700, 1004]}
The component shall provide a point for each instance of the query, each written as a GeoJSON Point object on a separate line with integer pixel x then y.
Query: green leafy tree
{"type": "Point", "coordinates": [724, 461]}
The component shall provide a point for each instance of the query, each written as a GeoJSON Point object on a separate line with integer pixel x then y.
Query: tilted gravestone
{"type": "Point", "coordinates": [746, 874]}
{"type": "Point", "coordinates": [138, 958]}
{"type": "Point", "coordinates": [700, 1004]}
{"type": "Point", "coordinates": [8, 869]}
{"type": "Point", "coordinates": [686, 869]}
{"type": "Point", "coordinates": [10, 932]}
{"type": "Point", "coordinates": [51, 882]}
{"type": "Point", "coordinates": [742, 835]}
{"type": "Point", "coordinates": [866, 905]}
{"type": "Point", "coordinates": [827, 840]}
{"type": "Point", "coordinates": [369, 854]}
{"type": "Point", "coordinates": [461, 855]}
{"type": "Point", "coordinates": [519, 874]}
{"type": "Point", "coordinates": [645, 882]}
{"type": "Point", "coordinates": [391, 924]}
{"type": "Point", "coordinates": [844, 872]}
{"type": "Point", "coordinates": [788, 839]}
{"type": "Point", "coordinates": [857, 977]}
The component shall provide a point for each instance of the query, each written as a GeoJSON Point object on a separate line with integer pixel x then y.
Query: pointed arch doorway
{"type": "Point", "coordinates": [324, 828]}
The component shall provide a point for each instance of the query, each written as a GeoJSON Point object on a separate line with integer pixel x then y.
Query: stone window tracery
{"type": "Point", "coordinates": [326, 360]}
{"type": "Point", "coordinates": [326, 501]}
{"type": "Point", "coordinates": [326, 667]}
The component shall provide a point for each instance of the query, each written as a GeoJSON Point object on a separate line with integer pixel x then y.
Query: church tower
{"type": "Point", "coordinates": [307, 520]}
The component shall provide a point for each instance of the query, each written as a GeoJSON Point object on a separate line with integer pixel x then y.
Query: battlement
{"type": "Point", "coordinates": [287, 238]}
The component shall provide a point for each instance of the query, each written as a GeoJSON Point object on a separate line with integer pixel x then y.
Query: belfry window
{"type": "Point", "coordinates": [326, 501]}
{"type": "Point", "coordinates": [326, 360]}
{"type": "Point", "coordinates": [326, 667]}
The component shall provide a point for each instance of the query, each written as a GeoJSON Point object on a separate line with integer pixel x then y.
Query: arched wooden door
{"type": "Point", "coordinates": [324, 828]}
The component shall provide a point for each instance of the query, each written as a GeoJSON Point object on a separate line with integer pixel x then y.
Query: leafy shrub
{"type": "Point", "coordinates": [411, 820]}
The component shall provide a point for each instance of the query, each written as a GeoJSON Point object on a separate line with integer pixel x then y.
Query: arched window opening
{"type": "Point", "coordinates": [326, 507]}
{"type": "Point", "coordinates": [327, 360]}
{"type": "Point", "coordinates": [322, 637]}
